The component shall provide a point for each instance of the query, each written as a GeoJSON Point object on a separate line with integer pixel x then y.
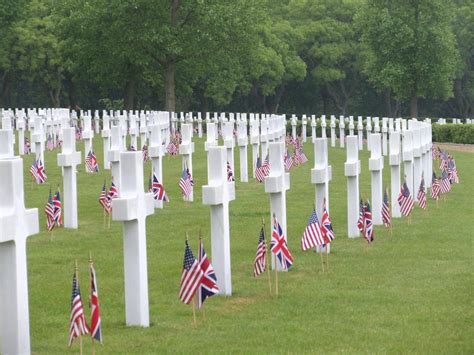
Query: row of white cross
{"type": "Point", "coordinates": [134, 205]}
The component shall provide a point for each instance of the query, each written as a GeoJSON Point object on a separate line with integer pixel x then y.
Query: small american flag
{"type": "Point", "coordinates": [58, 208]}
{"type": "Point", "coordinates": [230, 174]}
{"type": "Point", "coordinates": [27, 146]}
{"type": "Point", "coordinates": [49, 211]}
{"type": "Point", "coordinates": [191, 276]}
{"type": "Point", "coordinates": [326, 226]}
{"type": "Point", "coordinates": [360, 221]}
{"type": "Point", "coordinates": [405, 200]}
{"type": "Point", "coordinates": [445, 183]}
{"type": "Point", "coordinates": [262, 170]}
{"type": "Point", "coordinates": [260, 262]}
{"type": "Point", "coordinates": [208, 286]}
{"type": "Point", "coordinates": [34, 171]}
{"type": "Point", "coordinates": [158, 189]}
{"type": "Point", "coordinates": [386, 216]}
{"type": "Point", "coordinates": [95, 327]}
{"type": "Point", "coordinates": [421, 194]}
{"type": "Point", "coordinates": [368, 232]}
{"type": "Point", "coordinates": [186, 183]}
{"type": "Point", "coordinates": [288, 162]}
{"type": "Point", "coordinates": [279, 247]}
{"type": "Point", "coordinates": [77, 320]}
{"type": "Point", "coordinates": [145, 153]}
{"type": "Point", "coordinates": [131, 148]}
{"type": "Point", "coordinates": [172, 149]}
{"type": "Point", "coordinates": [452, 171]}
{"type": "Point", "coordinates": [91, 163]}
{"type": "Point", "coordinates": [104, 200]}
{"type": "Point", "coordinates": [313, 234]}
{"type": "Point", "coordinates": [49, 142]}
{"type": "Point", "coordinates": [300, 156]}
{"type": "Point", "coordinates": [78, 133]}
{"type": "Point", "coordinates": [435, 187]}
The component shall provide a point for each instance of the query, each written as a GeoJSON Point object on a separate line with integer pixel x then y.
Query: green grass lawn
{"type": "Point", "coordinates": [409, 293]}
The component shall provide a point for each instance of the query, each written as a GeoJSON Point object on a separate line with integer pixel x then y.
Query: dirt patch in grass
{"type": "Point", "coordinates": [456, 147]}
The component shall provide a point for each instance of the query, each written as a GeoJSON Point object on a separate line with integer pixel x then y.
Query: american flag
{"type": "Point", "coordinates": [34, 171]}
{"type": "Point", "coordinates": [158, 189]}
{"type": "Point", "coordinates": [95, 328]}
{"type": "Point", "coordinates": [172, 149]}
{"type": "Point", "coordinates": [421, 194]}
{"type": "Point", "coordinates": [313, 234]}
{"type": "Point", "coordinates": [78, 133]}
{"type": "Point", "coordinates": [230, 174]}
{"type": "Point", "coordinates": [91, 163]}
{"type": "Point", "coordinates": [49, 142]}
{"type": "Point", "coordinates": [131, 148]}
{"type": "Point", "coordinates": [145, 153]}
{"type": "Point", "coordinates": [368, 232]}
{"type": "Point", "coordinates": [77, 320]}
{"type": "Point", "coordinates": [191, 276]}
{"type": "Point", "coordinates": [40, 174]}
{"type": "Point", "coordinates": [260, 262]}
{"type": "Point", "coordinates": [435, 187]}
{"type": "Point", "coordinates": [452, 171]}
{"type": "Point", "coordinates": [186, 183]}
{"type": "Point", "coordinates": [360, 221]}
{"type": "Point", "coordinates": [287, 160]}
{"type": "Point", "coordinates": [208, 286]}
{"type": "Point", "coordinates": [386, 216]}
{"type": "Point", "coordinates": [435, 152]}
{"type": "Point", "coordinates": [58, 208]}
{"type": "Point", "coordinates": [405, 200]}
{"type": "Point", "coordinates": [59, 142]}
{"type": "Point", "coordinates": [104, 200]}
{"type": "Point", "coordinates": [113, 191]}
{"type": "Point", "coordinates": [279, 247]}
{"type": "Point", "coordinates": [27, 146]}
{"type": "Point", "coordinates": [300, 156]}
{"type": "Point", "coordinates": [445, 183]}
{"type": "Point", "coordinates": [289, 140]}
{"type": "Point", "coordinates": [262, 170]}
{"type": "Point", "coordinates": [49, 211]}
{"type": "Point", "coordinates": [326, 226]}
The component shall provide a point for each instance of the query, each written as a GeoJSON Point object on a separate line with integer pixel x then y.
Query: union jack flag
{"type": "Point", "coordinates": [49, 211]}
{"type": "Point", "coordinates": [260, 262]}
{"type": "Point", "coordinates": [405, 200]}
{"type": "Point", "coordinates": [313, 234]}
{"type": "Point", "coordinates": [208, 286]}
{"type": "Point", "coordinates": [386, 217]}
{"type": "Point", "coordinates": [95, 327]}
{"type": "Point", "coordinates": [77, 320]}
{"type": "Point", "coordinates": [186, 183]}
{"type": "Point", "coordinates": [113, 191]}
{"type": "Point", "coordinates": [191, 276]}
{"type": "Point", "coordinates": [421, 194]}
{"type": "Point", "coordinates": [262, 170]}
{"type": "Point", "coordinates": [435, 187]}
{"type": "Point", "coordinates": [230, 174]}
{"type": "Point", "coordinates": [158, 189]}
{"type": "Point", "coordinates": [58, 208]}
{"type": "Point", "coordinates": [279, 247]}
{"type": "Point", "coordinates": [445, 183]}
{"type": "Point", "coordinates": [368, 233]}
{"type": "Point", "coordinates": [91, 163]}
{"type": "Point", "coordinates": [104, 200]}
{"type": "Point", "coordinates": [38, 172]}
{"type": "Point", "coordinates": [327, 226]}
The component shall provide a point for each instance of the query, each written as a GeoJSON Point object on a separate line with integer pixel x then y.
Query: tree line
{"type": "Point", "coordinates": [368, 57]}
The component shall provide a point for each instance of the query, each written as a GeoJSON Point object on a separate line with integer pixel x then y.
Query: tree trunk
{"type": "Point", "coordinates": [130, 93]}
{"type": "Point", "coordinates": [414, 106]}
{"type": "Point", "coordinates": [5, 91]}
{"type": "Point", "coordinates": [273, 102]}
{"type": "Point", "coordinates": [71, 91]}
{"type": "Point", "coordinates": [388, 102]}
{"type": "Point", "coordinates": [170, 86]}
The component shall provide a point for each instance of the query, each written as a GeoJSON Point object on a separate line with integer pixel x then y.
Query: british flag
{"type": "Point", "coordinates": [279, 247]}
{"type": "Point", "coordinates": [58, 208]}
{"type": "Point", "coordinates": [422, 194]}
{"type": "Point", "coordinates": [49, 211]}
{"type": "Point", "coordinates": [95, 326]}
{"type": "Point", "coordinates": [113, 191]}
{"type": "Point", "coordinates": [313, 234]}
{"type": "Point", "coordinates": [158, 189]}
{"type": "Point", "coordinates": [360, 221]}
{"type": "Point", "coordinates": [104, 200]}
{"type": "Point", "coordinates": [368, 233]}
{"type": "Point", "coordinates": [386, 216]}
{"type": "Point", "coordinates": [326, 225]}
{"type": "Point", "coordinates": [208, 286]}
{"type": "Point", "coordinates": [405, 200]}
{"type": "Point", "coordinates": [260, 262]}
{"type": "Point", "coordinates": [40, 172]}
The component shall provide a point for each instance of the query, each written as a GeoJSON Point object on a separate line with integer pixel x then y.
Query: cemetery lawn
{"type": "Point", "coordinates": [410, 292]}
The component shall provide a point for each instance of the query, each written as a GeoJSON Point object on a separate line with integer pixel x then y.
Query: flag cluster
{"type": "Point", "coordinates": [105, 198]}
{"type": "Point", "coordinates": [37, 171]}
{"type": "Point", "coordinates": [186, 183]}
{"type": "Point", "coordinates": [91, 163]}
{"type": "Point", "coordinates": [262, 169]}
{"type": "Point", "coordinates": [365, 223]}
{"type": "Point", "coordinates": [53, 211]}
{"type": "Point", "coordinates": [317, 234]}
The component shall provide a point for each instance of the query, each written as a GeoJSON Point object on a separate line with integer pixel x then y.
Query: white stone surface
{"type": "Point", "coordinates": [186, 150]}
{"type": "Point", "coordinates": [218, 193]}
{"type": "Point", "coordinates": [352, 171]}
{"type": "Point", "coordinates": [116, 147]}
{"type": "Point", "coordinates": [394, 161]}
{"type": "Point", "coordinates": [408, 158]}
{"type": "Point", "coordinates": [157, 152]}
{"type": "Point", "coordinates": [242, 141]}
{"type": "Point", "coordinates": [376, 167]}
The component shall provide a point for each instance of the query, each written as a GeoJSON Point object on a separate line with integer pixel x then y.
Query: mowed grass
{"type": "Point", "coordinates": [408, 293]}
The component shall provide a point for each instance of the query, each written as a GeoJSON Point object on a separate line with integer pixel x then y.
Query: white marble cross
{"type": "Point", "coordinates": [68, 160]}
{"type": "Point", "coordinates": [143, 129]}
{"type": "Point", "coordinates": [132, 207]}
{"type": "Point", "coordinates": [276, 184]}
{"type": "Point", "coordinates": [293, 122]}
{"type": "Point", "coordinates": [264, 136]}
{"type": "Point", "coordinates": [96, 122]}
{"type": "Point", "coordinates": [255, 141]}
{"type": "Point", "coordinates": [342, 132]}
{"type": "Point", "coordinates": [37, 139]}
{"type": "Point", "coordinates": [106, 139]}
{"type": "Point", "coordinates": [199, 122]}
{"type": "Point", "coordinates": [323, 126]}
{"type": "Point", "coordinates": [376, 168]}
{"type": "Point", "coordinates": [332, 125]}
{"type": "Point", "coordinates": [351, 125]}
{"type": "Point", "coordinates": [368, 128]}
{"type": "Point", "coordinates": [218, 193]}
{"type": "Point", "coordinates": [20, 125]}
{"type": "Point", "coordinates": [394, 161]}
{"type": "Point", "coordinates": [211, 136]}
{"type": "Point", "coordinates": [413, 126]}
{"type": "Point", "coordinates": [303, 127]}
{"type": "Point", "coordinates": [229, 142]}
{"type": "Point", "coordinates": [313, 128]}
{"type": "Point", "coordinates": [384, 136]}
{"type": "Point", "coordinates": [186, 150]}
{"type": "Point", "coordinates": [408, 158]}
{"type": "Point", "coordinates": [116, 147]}
{"type": "Point", "coordinates": [157, 152]}
{"type": "Point", "coordinates": [429, 160]}
{"type": "Point", "coordinates": [352, 171]}
{"type": "Point", "coordinates": [16, 224]}
{"type": "Point", "coordinates": [87, 135]}
{"type": "Point", "coordinates": [242, 141]}
{"type": "Point", "coordinates": [321, 174]}
{"type": "Point", "coordinates": [360, 132]}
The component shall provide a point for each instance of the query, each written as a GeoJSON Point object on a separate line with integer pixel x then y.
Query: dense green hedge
{"type": "Point", "coordinates": [453, 133]}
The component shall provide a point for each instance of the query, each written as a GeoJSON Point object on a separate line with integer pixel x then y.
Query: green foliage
{"type": "Point", "coordinates": [453, 133]}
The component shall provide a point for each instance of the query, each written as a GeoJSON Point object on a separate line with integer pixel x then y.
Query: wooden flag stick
{"type": "Point", "coordinates": [194, 311]}
{"type": "Point", "coordinates": [391, 230]}
{"type": "Point", "coordinates": [109, 221]}
{"type": "Point", "coordinates": [93, 346]}
{"type": "Point", "coordinates": [276, 277]}
{"type": "Point", "coordinates": [321, 254]}
{"type": "Point", "coordinates": [267, 266]}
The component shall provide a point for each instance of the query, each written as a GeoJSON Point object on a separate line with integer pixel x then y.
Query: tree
{"type": "Point", "coordinates": [410, 48]}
